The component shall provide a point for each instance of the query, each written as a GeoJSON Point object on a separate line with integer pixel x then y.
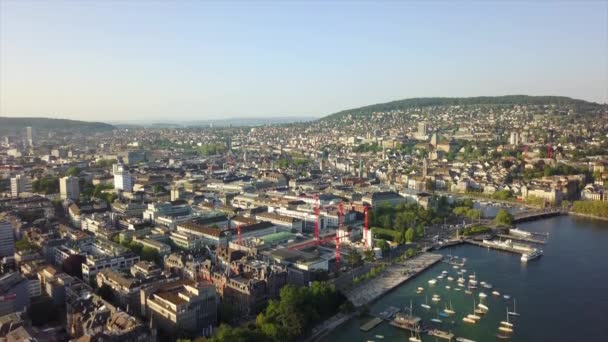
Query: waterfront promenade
{"type": "Point", "coordinates": [393, 276]}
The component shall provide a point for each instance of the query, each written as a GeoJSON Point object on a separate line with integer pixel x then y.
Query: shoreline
{"type": "Point", "coordinates": [587, 216]}
{"type": "Point", "coordinates": [371, 290]}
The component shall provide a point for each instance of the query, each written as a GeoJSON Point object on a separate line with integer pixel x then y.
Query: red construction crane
{"type": "Point", "coordinates": [316, 216]}
{"type": "Point", "coordinates": [366, 225]}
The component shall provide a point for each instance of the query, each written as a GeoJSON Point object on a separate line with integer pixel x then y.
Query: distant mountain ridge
{"type": "Point", "coordinates": [17, 125]}
{"type": "Point", "coordinates": [463, 101]}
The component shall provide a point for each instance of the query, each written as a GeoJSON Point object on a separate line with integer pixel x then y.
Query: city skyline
{"type": "Point", "coordinates": [206, 61]}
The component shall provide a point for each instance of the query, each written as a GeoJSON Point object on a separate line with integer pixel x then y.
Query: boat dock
{"type": "Point", "coordinates": [371, 324]}
{"type": "Point", "coordinates": [522, 238]}
{"type": "Point", "coordinates": [497, 247]}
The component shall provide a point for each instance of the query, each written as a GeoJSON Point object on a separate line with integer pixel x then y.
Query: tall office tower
{"type": "Point", "coordinates": [69, 188]}
{"type": "Point", "coordinates": [7, 239]}
{"type": "Point", "coordinates": [20, 184]}
{"type": "Point", "coordinates": [122, 178]}
{"type": "Point", "coordinates": [29, 133]}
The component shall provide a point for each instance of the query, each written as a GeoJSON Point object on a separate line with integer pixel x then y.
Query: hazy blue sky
{"type": "Point", "coordinates": [121, 60]}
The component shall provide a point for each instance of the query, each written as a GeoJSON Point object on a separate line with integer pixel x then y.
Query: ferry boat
{"type": "Point", "coordinates": [520, 232]}
{"type": "Point", "coordinates": [532, 255]}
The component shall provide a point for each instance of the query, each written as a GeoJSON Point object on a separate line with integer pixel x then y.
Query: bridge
{"type": "Point", "coordinates": [531, 215]}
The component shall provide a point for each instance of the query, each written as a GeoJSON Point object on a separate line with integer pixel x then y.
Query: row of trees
{"type": "Point", "coordinates": [595, 208]}
{"type": "Point", "coordinates": [290, 317]}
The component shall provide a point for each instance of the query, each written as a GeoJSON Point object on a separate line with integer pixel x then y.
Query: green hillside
{"type": "Point", "coordinates": [508, 100]}
{"type": "Point", "coordinates": [18, 125]}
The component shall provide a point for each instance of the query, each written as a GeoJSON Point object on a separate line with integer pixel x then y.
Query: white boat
{"type": "Point", "coordinates": [450, 278]}
{"type": "Point", "coordinates": [447, 287]}
{"type": "Point", "coordinates": [426, 305]}
{"type": "Point", "coordinates": [483, 283]}
{"type": "Point", "coordinates": [433, 281]}
{"type": "Point", "coordinates": [450, 310]}
{"type": "Point", "coordinates": [505, 329]}
{"type": "Point", "coordinates": [468, 320]}
{"type": "Point", "coordinates": [380, 337]}
{"type": "Point", "coordinates": [520, 232]}
{"type": "Point", "coordinates": [436, 320]}
{"type": "Point", "coordinates": [457, 289]}
{"type": "Point", "coordinates": [462, 339]}
{"type": "Point", "coordinates": [482, 295]}
{"type": "Point", "coordinates": [487, 285]}
{"type": "Point", "coordinates": [496, 293]}
{"type": "Point", "coordinates": [436, 298]}
{"type": "Point", "coordinates": [483, 307]}
{"type": "Point", "coordinates": [444, 272]}
{"type": "Point", "coordinates": [507, 323]}
{"type": "Point", "coordinates": [455, 267]}
{"type": "Point", "coordinates": [473, 316]}
{"type": "Point", "coordinates": [514, 312]}
{"type": "Point", "coordinates": [525, 257]}
{"type": "Point", "coordinates": [440, 276]}
{"type": "Point", "coordinates": [506, 297]}
{"type": "Point", "coordinates": [468, 292]}
{"type": "Point", "coordinates": [463, 270]}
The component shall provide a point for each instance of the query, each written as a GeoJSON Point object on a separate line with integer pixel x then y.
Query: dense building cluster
{"type": "Point", "coordinates": [152, 233]}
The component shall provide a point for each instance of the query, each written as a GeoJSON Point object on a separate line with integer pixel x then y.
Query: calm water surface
{"type": "Point", "coordinates": [563, 296]}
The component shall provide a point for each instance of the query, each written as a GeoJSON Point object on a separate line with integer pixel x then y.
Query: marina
{"type": "Point", "coordinates": [525, 289]}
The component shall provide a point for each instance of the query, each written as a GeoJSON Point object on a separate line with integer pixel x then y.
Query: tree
{"type": "Point", "coordinates": [369, 255]}
{"type": "Point", "coordinates": [503, 217]}
{"type": "Point", "coordinates": [383, 245]}
{"type": "Point", "coordinates": [354, 258]}
{"type": "Point", "coordinates": [24, 244]}
{"type": "Point", "coordinates": [409, 235]}
{"type": "Point", "coordinates": [72, 171]}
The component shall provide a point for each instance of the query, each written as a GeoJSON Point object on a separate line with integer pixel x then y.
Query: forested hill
{"type": "Point", "coordinates": [508, 100]}
{"type": "Point", "coordinates": [18, 125]}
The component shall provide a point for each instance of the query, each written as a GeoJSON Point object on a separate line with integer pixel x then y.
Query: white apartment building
{"type": "Point", "coordinates": [20, 185]}
{"type": "Point", "coordinates": [69, 188]}
{"type": "Point", "coordinates": [123, 180]}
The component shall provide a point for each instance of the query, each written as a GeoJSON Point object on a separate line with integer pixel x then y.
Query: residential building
{"type": "Point", "coordinates": [7, 239]}
{"type": "Point", "coordinates": [21, 185]}
{"type": "Point", "coordinates": [123, 180]}
{"type": "Point", "coordinates": [69, 188]}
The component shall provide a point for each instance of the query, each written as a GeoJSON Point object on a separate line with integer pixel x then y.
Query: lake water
{"type": "Point", "coordinates": [562, 296]}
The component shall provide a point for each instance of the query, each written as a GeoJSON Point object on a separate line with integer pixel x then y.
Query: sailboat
{"type": "Point", "coordinates": [415, 337]}
{"type": "Point", "coordinates": [507, 323]}
{"type": "Point", "coordinates": [426, 303]}
{"type": "Point", "coordinates": [449, 311]}
{"type": "Point", "coordinates": [473, 315]}
{"type": "Point", "coordinates": [514, 312]}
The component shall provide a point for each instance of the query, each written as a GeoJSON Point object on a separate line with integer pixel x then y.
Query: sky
{"type": "Point", "coordinates": [188, 60]}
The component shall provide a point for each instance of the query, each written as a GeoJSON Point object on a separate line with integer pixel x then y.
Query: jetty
{"type": "Point", "coordinates": [371, 324]}
{"type": "Point", "coordinates": [522, 238]}
{"type": "Point", "coordinates": [504, 248]}
{"type": "Point", "coordinates": [393, 276]}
